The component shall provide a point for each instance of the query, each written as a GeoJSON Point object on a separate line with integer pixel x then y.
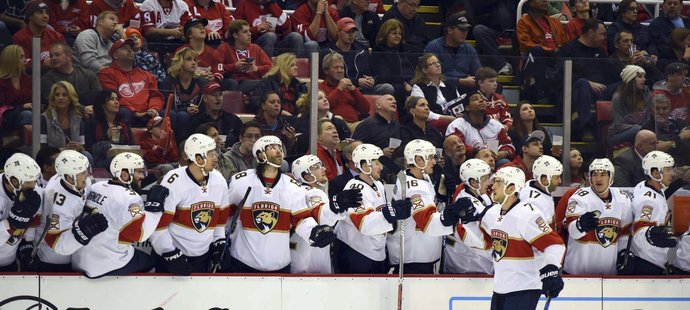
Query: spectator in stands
{"type": "Point", "coordinates": [454, 153]}
{"type": "Point", "coordinates": [45, 158]}
{"type": "Point", "coordinates": [15, 89]}
{"type": "Point", "coordinates": [531, 149]}
{"type": "Point", "coordinates": [127, 12]}
{"type": "Point", "coordinates": [677, 50]}
{"type": "Point", "coordinates": [37, 17]}
{"type": "Point", "coordinates": [62, 123]}
{"type": "Point", "coordinates": [629, 164]}
{"type": "Point", "coordinates": [142, 58]}
{"type": "Point", "coordinates": [588, 74]}
{"type": "Point", "coordinates": [195, 35]}
{"type": "Point", "coordinates": [415, 29]}
{"type": "Point", "coordinates": [241, 152]}
{"type": "Point", "coordinates": [344, 98]}
{"type": "Point", "coordinates": [379, 128]}
{"type": "Point", "coordinates": [496, 105]}
{"type": "Point", "coordinates": [281, 79]}
{"type": "Point", "coordinates": [366, 21]}
{"type": "Point", "coordinates": [460, 60]}
{"type": "Point", "coordinates": [106, 128]}
{"type": "Point", "coordinates": [224, 165]}
{"type": "Point", "coordinates": [326, 144]}
{"type": "Point", "coordinates": [357, 59]}
{"type": "Point", "coordinates": [243, 60]}
{"type": "Point", "coordinates": [578, 172]}
{"type": "Point", "coordinates": [674, 88]}
{"type": "Point", "coordinates": [628, 21]}
{"type": "Point", "coordinates": [315, 20]}
{"type": "Point", "coordinates": [303, 123]}
{"type": "Point", "coordinates": [92, 46]}
{"type": "Point", "coordinates": [62, 69]}
{"type": "Point", "coordinates": [661, 27]}
{"type": "Point", "coordinates": [161, 23]}
{"type": "Point", "coordinates": [219, 18]}
{"type": "Point", "coordinates": [337, 184]}
{"type": "Point", "coordinates": [210, 111]}
{"type": "Point", "coordinates": [621, 56]}
{"type": "Point", "coordinates": [428, 82]}
{"type": "Point", "coordinates": [273, 123]}
{"type": "Point", "coordinates": [69, 18]}
{"type": "Point", "coordinates": [475, 128]}
{"type": "Point", "coordinates": [525, 123]}
{"type": "Point", "coordinates": [418, 128]}
{"type": "Point", "coordinates": [487, 155]}
{"type": "Point", "coordinates": [185, 85]}
{"type": "Point", "coordinates": [272, 28]}
{"type": "Point", "coordinates": [580, 8]}
{"type": "Point", "coordinates": [632, 106]}
{"type": "Point", "coordinates": [137, 88]}
{"type": "Point", "coordinates": [11, 17]}
{"type": "Point", "coordinates": [492, 20]}
{"type": "Point", "coordinates": [159, 148]}
{"type": "Point", "coordinates": [393, 60]}
{"type": "Point", "coordinates": [539, 38]}
{"type": "Point", "coordinates": [673, 135]}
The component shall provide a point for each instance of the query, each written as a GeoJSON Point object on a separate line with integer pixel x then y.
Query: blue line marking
{"type": "Point", "coordinates": [592, 299]}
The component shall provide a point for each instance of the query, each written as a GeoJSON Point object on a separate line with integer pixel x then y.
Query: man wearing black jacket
{"type": "Point", "coordinates": [367, 21]}
{"type": "Point", "coordinates": [406, 12]}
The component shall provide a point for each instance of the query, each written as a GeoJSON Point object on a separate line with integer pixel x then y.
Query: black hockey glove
{"type": "Point", "coordinates": [177, 263]}
{"type": "Point", "coordinates": [217, 248]}
{"type": "Point", "coordinates": [24, 258]}
{"type": "Point", "coordinates": [403, 208]}
{"type": "Point", "coordinates": [588, 221]}
{"type": "Point", "coordinates": [551, 281]}
{"type": "Point", "coordinates": [321, 236]}
{"type": "Point", "coordinates": [466, 210]}
{"type": "Point", "coordinates": [626, 262]}
{"type": "Point", "coordinates": [155, 200]}
{"type": "Point", "coordinates": [450, 216]}
{"type": "Point", "coordinates": [89, 226]}
{"type": "Point", "coordinates": [23, 211]}
{"type": "Point", "coordinates": [349, 198]}
{"type": "Point", "coordinates": [661, 236]}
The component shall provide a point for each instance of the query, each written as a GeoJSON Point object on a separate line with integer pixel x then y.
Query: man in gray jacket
{"type": "Point", "coordinates": [92, 46]}
{"type": "Point", "coordinates": [62, 68]}
{"type": "Point", "coordinates": [241, 152]}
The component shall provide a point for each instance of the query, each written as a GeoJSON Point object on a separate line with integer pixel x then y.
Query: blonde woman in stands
{"type": "Point", "coordinates": [304, 120]}
{"type": "Point", "coordinates": [106, 128]}
{"type": "Point", "coordinates": [281, 79]}
{"type": "Point", "coordinates": [631, 106]}
{"type": "Point", "coordinates": [15, 89]}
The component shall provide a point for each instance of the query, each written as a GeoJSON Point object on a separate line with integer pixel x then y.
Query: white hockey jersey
{"type": "Point", "coordinates": [304, 257]}
{"type": "Point", "coordinates": [532, 194]}
{"type": "Point", "coordinates": [262, 237]}
{"type": "Point", "coordinates": [9, 237]}
{"type": "Point", "coordinates": [154, 15]}
{"type": "Point", "coordinates": [423, 229]}
{"type": "Point", "coordinates": [365, 228]}
{"type": "Point", "coordinates": [195, 215]}
{"type": "Point", "coordinates": [128, 223]}
{"type": "Point", "coordinates": [683, 253]}
{"type": "Point", "coordinates": [474, 137]}
{"type": "Point", "coordinates": [514, 234]}
{"type": "Point", "coordinates": [460, 257]}
{"type": "Point", "coordinates": [61, 207]}
{"type": "Point", "coordinates": [595, 252]}
{"type": "Point", "coordinates": [649, 209]}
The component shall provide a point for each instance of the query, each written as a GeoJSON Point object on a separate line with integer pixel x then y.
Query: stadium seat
{"type": "Point", "coordinates": [604, 120]}
{"type": "Point", "coordinates": [233, 102]}
{"type": "Point", "coordinates": [372, 103]}
{"type": "Point", "coordinates": [28, 139]}
{"type": "Point", "coordinates": [303, 68]}
{"type": "Point", "coordinates": [138, 134]}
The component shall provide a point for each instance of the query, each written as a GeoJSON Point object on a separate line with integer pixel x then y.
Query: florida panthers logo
{"type": "Point", "coordinates": [266, 216]}
{"type": "Point", "coordinates": [500, 244]}
{"type": "Point", "coordinates": [607, 231]}
{"type": "Point", "coordinates": [202, 215]}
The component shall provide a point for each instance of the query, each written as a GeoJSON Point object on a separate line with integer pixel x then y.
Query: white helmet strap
{"type": "Point", "coordinates": [203, 165]}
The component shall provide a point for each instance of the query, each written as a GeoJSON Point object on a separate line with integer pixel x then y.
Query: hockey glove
{"type": "Point", "coordinates": [465, 209]}
{"type": "Point", "coordinates": [551, 281]}
{"type": "Point", "coordinates": [349, 198]}
{"type": "Point", "coordinates": [24, 258]}
{"type": "Point", "coordinates": [626, 262]}
{"type": "Point", "coordinates": [450, 216]}
{"type": "Point", "coordinates": [403, 208]}
{"type": "Point", "coordinates": [155, 200]}
{"type": "Point", "coordinates": [661, 236]}
{"type": "Point", "coordinates": [588, 221]}
{"type": "Point", "coordinates": [217, 248]}
{"type": "Point", "coordinates": [321, 236]}
{"type": "Point", "coordinates": [389, 213]}
{"type": "Point", "coordinates": [177, 263]}
{"type": "Point", "coordinates": [89, 226]}
{"type": "Point", "coordinates": [24, 209]}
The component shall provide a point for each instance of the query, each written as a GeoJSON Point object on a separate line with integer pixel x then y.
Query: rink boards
{"type": "Point", "coordinates": [312, 292]}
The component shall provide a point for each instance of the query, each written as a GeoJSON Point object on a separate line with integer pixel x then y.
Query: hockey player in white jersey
{"type": "Point", "coordinates": [682, 263]}
{"type": "Point", "coordinates": [537, 192]}
{"type": "Point", "coordinates": [310, 171]}
{"type": "Point", "coordinates": [426, 225]}
{"type": "Point", "coordinates": [275, 204]}
{"type": "Point", "coordinates": [129, 220]}
{"type": "Point", "coordinates": [20, 200]}
{"type": "Point", "coordinates": [190, 236]}
{"type": "Point", "coordinates": [65, 196]}
{"type": "Point", "coordinates": [460, 257]}
{"type": "Point", "coordinates": [516, 230]}
{"type": "Point", "coordinates": [598, 220]}
{"type": "Point", "coordinates": [652, 235]}
{"type": "Point", "coordinates": [361, 244]}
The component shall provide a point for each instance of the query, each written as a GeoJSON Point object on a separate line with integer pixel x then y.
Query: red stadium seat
{"type": "Point", "coordinates": [138, 134]}
{"type": "Point", "coordinates": [303, 68]}
{"type": "Point", "coordinates": [372, 103]}
{"type": "Point", "coordinates": [233, 102]}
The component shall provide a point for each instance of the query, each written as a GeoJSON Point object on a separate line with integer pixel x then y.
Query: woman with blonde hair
{"type": "Point", "coordinates": [185, 85]}
{"type": "Point", "coordinates": [15, 89]}
{"type": "Point", "coordinates": [281, 79]}
{"type": "Point", "coordinates": [303, 122]}
{"type": "Point", "coordinates": [62, 123]}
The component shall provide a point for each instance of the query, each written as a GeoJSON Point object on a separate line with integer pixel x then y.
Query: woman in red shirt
{"type": "Point", "coordinates": [15, 89]}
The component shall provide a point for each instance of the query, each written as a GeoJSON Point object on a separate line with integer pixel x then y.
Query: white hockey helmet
{"type": "Point", "coordinates": [511, 176]}
{"type": "Point", "coordinates": [71, 163]}
{"type": "Point", "coordinates": [260, 146]}
{"type": "Point", "coordinates": [657, 160]}
{"type": "Point", "coordinates": [602, 164]}
{"type": "Point", "coordinates": [418, 147]}
{"type": "Point", "coordinates": [303, 165]}
{"type": "Point", "coordinates": [23, 168]}
{"type": "Point", "coordinates": [198, 144]}
{"type": "Point", "coordinates": [126, 161]}
{"type": "Point", "coordinates": [547, 166]}
{"type": "Point", "coordinates": [366, 152]}
{"type": "Point", "coordinates": [473, 169]}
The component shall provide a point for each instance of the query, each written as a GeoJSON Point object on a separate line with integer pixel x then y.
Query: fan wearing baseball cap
{"type": "Point", "coordinates": [159, 150]}
{"type": "Point", "coordinates": [36, 18]}
{"type": "Point", "coordinates": [228, 124]}
{"type": "Point", "coordinates": [531, 149]}
{"type": "Point", "coordinates": [672, 87]}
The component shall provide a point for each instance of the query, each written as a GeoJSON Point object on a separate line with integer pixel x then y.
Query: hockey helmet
{"type": "Point", "coordinates": [511, 176]}
{"type": "Point", "coordinates": [71, 163]}
{"type": "Point", "coordinates": [23, 168]}
{"type": "Point", "coordinates": [547, 166]}
{"type": "Point", "coordinates": [303, 165]}
{"type": "Point", "coordinates": [366, 152]}
{"type": "Point", "coordinates": [198, 144]}
{"type": "Point", "coordinates": [473, 169]}
{"type": "Point", "coordinates": [418, 147]}
{"type": "Point", "coordinates": [126, 161]}
{"type": "Point", "coordinates": [656, 160]}
{"type": "Point", "coordinates": [602, 164]}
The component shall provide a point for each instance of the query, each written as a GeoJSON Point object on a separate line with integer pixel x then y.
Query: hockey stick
{"type": "Point", "coordinates": [233, 224]}
{"type": "Point", "coordinates": [401, 264]}
{"type": "Point", "coordinates": [548, 303]}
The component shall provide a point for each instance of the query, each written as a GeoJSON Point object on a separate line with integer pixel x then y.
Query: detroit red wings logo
{"type": "Point", "coordinates": [266, 215]}
{"type": "Point", "coordinates": [128, 90]}
{"type": "Point", "coordinates": [499, 240]}
{"type": "Point", "coordinates": [607, 231]}
{"type": "Point", "coordinates": [202, 214]}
